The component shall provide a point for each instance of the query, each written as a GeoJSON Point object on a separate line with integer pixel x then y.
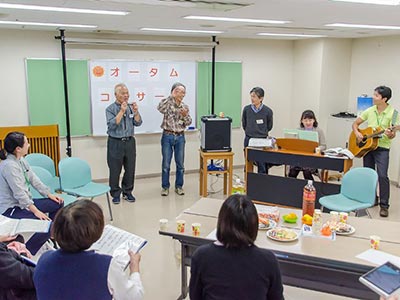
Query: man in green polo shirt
{"type": "Point", "coordinates": [380, 115]}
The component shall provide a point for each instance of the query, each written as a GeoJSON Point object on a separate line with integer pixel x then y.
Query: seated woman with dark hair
{"type": "Point", "coordinates": [233, 267]}
{"type": "Point", "coordinates": [16, 179]}
{"type": "Point", "coordinates": [74, 273]}
{"type": "Point", "coordinates": [16, 275]}
{"type": "Point", "coordinates": [308, 122]}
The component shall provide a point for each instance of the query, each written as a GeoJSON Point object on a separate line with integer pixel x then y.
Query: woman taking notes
{"type": "Point", "coordinates": [73, 272]}
{"type": "Point", "coordinates": [16, 178]}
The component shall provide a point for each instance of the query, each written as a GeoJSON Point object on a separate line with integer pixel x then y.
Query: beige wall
{"type": "Point", "coordinates": [335, 78]}
{"type": "Point", "coordinates": [376, 61]}
{"type": "Point", "coordinates": [265, 63]}
{"type": "Point", "coordinates": [325, 75]}
{"type": "Point", "coordinates": [307, 68]}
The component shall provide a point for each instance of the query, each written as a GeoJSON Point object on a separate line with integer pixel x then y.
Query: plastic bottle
{"type": "Point", "coordinates": [309, 195]}
{"type": "Point", "coordinates": [238, 187]}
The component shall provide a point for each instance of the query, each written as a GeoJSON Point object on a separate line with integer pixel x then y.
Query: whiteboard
{"type": "Point", "coordinates": [148, 82]}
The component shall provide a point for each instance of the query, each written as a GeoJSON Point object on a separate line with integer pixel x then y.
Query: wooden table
{"type": "Point", "coordinates": [312, 263]}
{"type": "Point", "coordinates": [227, 172]}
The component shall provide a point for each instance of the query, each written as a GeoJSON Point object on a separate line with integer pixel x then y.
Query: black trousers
{"type": "Point", "coordinates": [307, 172]}
{"type": "Point", "coordinates": [121, 154]}
{"type": "Point", "coordinates": [262, 168]}
{"type": "Point", "coordinates": [379, 161]}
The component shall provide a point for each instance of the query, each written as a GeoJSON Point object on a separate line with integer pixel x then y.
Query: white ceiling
{"type": "Point", "coordinates": [306, 16]}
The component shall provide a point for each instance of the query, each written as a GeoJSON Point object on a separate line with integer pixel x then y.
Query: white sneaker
{"type": "Point", "coordinates": [180, 191]}
{"type": "Point", "coordinates": [164, 192]}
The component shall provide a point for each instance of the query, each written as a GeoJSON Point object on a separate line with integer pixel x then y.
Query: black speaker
{"type": "Point", "coordinates": [216, 133]}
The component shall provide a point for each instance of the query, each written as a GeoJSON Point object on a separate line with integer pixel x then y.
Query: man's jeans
{"type": "Point", "coordinates": [172, 144]}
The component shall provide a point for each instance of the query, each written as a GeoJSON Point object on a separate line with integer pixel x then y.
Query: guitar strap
{"type": "Point", "coordinates": [394, 117]}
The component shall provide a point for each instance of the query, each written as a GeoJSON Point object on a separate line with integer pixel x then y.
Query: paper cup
{"type": "Point", "coordinates": [374, 241]}
{"type": "Point", "coordinates": [180, 226]}
{"type": "Point", "coordinates": [163, 224]}
{"type": "Point", "coordinates": [343, 217]}
{"type": "Point", "coordinates": [196, 229]}
{"type": "Point", "coordinates": [334, 216]}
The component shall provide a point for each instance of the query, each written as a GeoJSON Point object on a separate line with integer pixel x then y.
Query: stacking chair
{"type": "Point", "coordinates": [48, 179]}
{"type": "Point", "coordinates": [76, 179]}
{"type": "Point", "coordinates": [44, 161]}
{"type": "Point", "coordinates": [357, 192]}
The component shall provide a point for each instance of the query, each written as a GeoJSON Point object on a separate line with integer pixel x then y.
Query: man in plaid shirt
{"type": "Point", "coordinates": [176, 119]}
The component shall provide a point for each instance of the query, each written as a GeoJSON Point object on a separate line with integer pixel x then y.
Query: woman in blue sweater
{"type": "Point", "coordinates": [73, 272]}
{"type": "Point", "coordinates": [233, 267]}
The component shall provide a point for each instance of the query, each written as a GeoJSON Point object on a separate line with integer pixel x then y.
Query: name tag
{"type": "Point", "coordinates": [131, 116]}
{"type": "Point", "coordinates": [260, 121]}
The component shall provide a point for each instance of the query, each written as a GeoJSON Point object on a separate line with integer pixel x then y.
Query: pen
{"type": "Point", "coordinates": [281, 255]}
{"type": "Point", "coordinates": [128, 263]}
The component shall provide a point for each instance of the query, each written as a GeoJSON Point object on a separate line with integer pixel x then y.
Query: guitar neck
{"type": "Point", "coordinates": [393, 128]}
{"type": "Point", "coordinates": [375, 134]}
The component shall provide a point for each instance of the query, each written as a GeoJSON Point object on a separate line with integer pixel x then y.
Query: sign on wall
{"type": "Point", "coordinates": [148, 82]}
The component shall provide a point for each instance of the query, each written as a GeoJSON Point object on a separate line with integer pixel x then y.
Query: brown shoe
{"type": "Point", "coordinates": [384, 212]}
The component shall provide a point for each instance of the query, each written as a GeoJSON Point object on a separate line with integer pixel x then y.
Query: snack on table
{"type": "Point", "coordinates": [307, 219]}
{"type": "Point", "coordinates": [266, 224]}
{"type": "Point", "coordinates": [263, 220]}
{"type": "Point", "coordinates": [339, 227]}
{"type": "Point", "coordinates": [270, 213]}
{"type": "Point", "coordinates": [290, 218]}
{"type": "Point", "coordinates": [326, 231]}
{"type": "Point", "coordinates": [282, 234]}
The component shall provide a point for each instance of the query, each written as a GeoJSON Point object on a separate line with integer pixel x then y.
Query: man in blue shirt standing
{"type": "Point", "coordinates": [122, 118]}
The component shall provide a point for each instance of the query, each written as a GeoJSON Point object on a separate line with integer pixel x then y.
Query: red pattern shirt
{"type": "Point", "coordinates": [173, 119]}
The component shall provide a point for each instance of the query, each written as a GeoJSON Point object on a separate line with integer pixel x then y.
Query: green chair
{"type": "Point", "coordinates": [357, 192]}
{"type": "Point", "coordinates": [76, 179]}
{"type": "Point", "coordinates": [44, 161]}
{"type": "Point", "coordinates": [48, 179]}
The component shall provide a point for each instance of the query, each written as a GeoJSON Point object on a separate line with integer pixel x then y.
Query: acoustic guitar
{"type": "Point", "coordinates": [369, 141]}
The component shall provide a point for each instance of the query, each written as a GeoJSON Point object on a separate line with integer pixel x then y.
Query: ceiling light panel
{"type": "Point", "coordinates": [46, 24]}
{"type": "Point", "coordinates": [181, 30]}
{"type": "Point", "coordinates": [364, 26]}
{"type": "Point", "coordinates": [377, 2]}
{"type": "Point", "coordinates": [63, 9]}
{"type": "Point", "coordinates": [290, 35]}
{"type": "Point", "coordinates": [243, 20]}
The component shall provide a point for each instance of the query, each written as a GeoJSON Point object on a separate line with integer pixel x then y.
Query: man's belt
{"type": "Point", "coordinates": [124, 139]}
{"type": "Point", "coordinates": [173, 132]}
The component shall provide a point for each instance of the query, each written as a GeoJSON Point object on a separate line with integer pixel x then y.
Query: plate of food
{"type": "Point", "coordinates": [344, 229]}
{"type": "Point", "coordinates": [282, 234]}
{"type": "Point", "coordinates": [341, 228]}
{"type": "Point", "coordinates": [265, 224]}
